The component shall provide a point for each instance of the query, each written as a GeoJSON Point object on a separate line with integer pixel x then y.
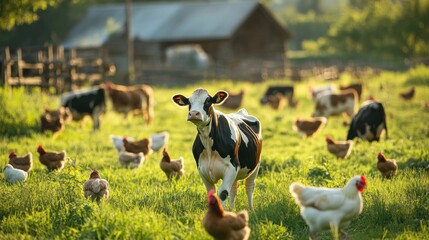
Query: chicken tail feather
{"type": "Point", "coordinates": [244, 215]}
{"type": "Point", "coordinates": [296, 189]}
{"type": "Point", "coordinates": [96, 186]}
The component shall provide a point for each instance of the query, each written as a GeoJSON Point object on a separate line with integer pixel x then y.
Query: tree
{"type": "Point", "coordinates": [386, 27]}
{"type": "Point", "coordinates": [21, 12]}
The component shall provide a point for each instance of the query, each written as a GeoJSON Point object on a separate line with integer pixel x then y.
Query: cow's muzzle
{"type": "Point", "coordinates": [194, 116]}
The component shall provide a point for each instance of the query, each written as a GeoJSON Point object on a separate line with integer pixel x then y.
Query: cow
{"type": "Point", "coordinates": [329, 104]}
{"type": "Point", "coordinates": [286, 91]}
{"type": "Point", "coordinates": [88, 102]}
{"type": "Point", "coordinates": [227, 146]}
{"type": "Point", "coordinates": [369, 122]}
{"type": "Point", "coordinates": [356, 86]}
{"type": "Point", "coordinates": [325, 89]}
{"type": "Point", "coordinates": [138, 99]}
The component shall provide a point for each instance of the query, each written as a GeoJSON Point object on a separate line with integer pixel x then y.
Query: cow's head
{"type": "Point", "coordinates": [200, 105]}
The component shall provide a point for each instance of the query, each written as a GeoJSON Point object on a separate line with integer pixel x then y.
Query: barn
{"type": "Point", "coordinates": [176, 41]}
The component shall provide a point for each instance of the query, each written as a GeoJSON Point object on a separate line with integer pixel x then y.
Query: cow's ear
{"type": "Point", "coordinates": [180, 100]}
{"type": "Point", "coordinates": [219, 97]}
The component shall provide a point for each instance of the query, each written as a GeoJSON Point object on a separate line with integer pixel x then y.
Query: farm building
{"type": "Point", "coordinates": [235, 39]}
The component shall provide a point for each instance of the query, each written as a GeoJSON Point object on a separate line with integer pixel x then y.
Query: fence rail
{"type": "Point", "coordinates": [53, 67]}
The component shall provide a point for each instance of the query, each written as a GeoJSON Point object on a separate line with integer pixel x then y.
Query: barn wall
{"type": "Point", "coordinates": [260, 46]}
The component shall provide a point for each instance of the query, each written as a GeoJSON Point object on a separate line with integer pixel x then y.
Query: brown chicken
{"type": "Point", "coordinates": [54, 120]}
{"type": "Point", "coordinates": [387, 167]}
{"type": "Point", "coordinates": [24, 163]}
{"type": "Point", "coordinates": [52, 160]}
{"type": "Point", "coordinates": [309, 127]}
{"type": "Point", "coordinates": [172, 168]}
{"type": "Point", "coordinates": [234, 100]}
{"type": "Point", "coordinates": [341, 149]}
{"type": "Point", "coordinates": [143, 146]}
{"type": "Point", "coordinates": [225, 225]}
{"type": "Point", "coordinates": [409, 94]}
{"type": "Point", "coordinates": [95, 187]}
{"type": "Point", "coordinates": [277, 102]}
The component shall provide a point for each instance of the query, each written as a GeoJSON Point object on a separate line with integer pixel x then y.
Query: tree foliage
{"type": "Point", "coordinates": [21, 12]}
{"type": "Point", "coordinates": [384, 27]}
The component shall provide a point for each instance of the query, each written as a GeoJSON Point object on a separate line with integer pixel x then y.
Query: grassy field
{"type": "Point", "coordinates": [143, 205]}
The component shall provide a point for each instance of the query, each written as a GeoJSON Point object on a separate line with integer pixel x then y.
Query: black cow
{"type": "Point", "coordinates": [286, 91]}
{"type": "Point", "coordinates": [90, 102]}
{"type": "Point", "coordinates": [369, 122]}
{"type": "Point", "coordinates": [227, 146]}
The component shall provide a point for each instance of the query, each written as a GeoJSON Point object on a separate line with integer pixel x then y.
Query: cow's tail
{"type": "Point", "coordinates": [149, 103]}
{"type": "Point", "coordinates": [150, 107]}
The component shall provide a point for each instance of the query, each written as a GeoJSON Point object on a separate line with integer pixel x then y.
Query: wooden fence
{"type": "Point", "coordinates": [55, 67]}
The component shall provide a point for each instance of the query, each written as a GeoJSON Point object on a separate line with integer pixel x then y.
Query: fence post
{"type": "Point", "coordinates": [7, 62]}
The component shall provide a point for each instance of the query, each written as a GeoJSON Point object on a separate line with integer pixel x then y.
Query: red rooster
{"type": "Point", "coordinates": [225, 225]}
{"type": "Point", "coordinates": [387, 167]}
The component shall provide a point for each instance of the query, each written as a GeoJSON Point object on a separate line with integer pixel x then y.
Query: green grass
{"type": "Point", "coordinates": [143, 205]}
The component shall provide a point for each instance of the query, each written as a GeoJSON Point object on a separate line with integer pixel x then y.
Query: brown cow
{"type": "Point", "coordinates": [336, 103]}
{"type": "Point", "coordinates": [138, 99]}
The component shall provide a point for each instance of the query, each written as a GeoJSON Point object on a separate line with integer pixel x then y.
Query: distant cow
{"type": "Point", "coordinates": [227, 146]}
{"type": "Point", "coordinates": [369, 122]}
{"type": "Point", "coordinates": [137, 99]}
{"type": "Point", "coordinates": [234, 101]}
{"type": "Point", "coordinates": [286, 91]}
{"type": "Point", "coordinates": [91, 102]}
{"type": "Point", "coordinates": [320, 90]}
{"type": "Point", "coordinates": [329, 104]}
{"type": "Point", "coordinates": [356, 86]}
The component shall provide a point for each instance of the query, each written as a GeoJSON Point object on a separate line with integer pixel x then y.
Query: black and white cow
{"type": "Point", "coordinates": [272, 91]}
{"type": "Point", "coordinates": [369, 123]}
{"type": "Point", "coordinates": [227, 146]}
{"type": "Point", "coordinates": [81, 103]}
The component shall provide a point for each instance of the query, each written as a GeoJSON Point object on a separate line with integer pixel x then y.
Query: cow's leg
{"type": "Point", "coordinates": [227, 182]}
{"type": "Point", "coordinates": [234, 188]}
{"type": "Point", "coordinates": [96, 118]}
{"type": "Point", "coordinates": [250, 186]}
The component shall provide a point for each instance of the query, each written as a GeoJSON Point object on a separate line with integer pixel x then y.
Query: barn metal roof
{"type": "Point", "coordinates": [175, 21]}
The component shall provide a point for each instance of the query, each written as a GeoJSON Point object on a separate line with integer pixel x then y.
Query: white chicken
{"type": "Point", "coordinates": [118, 142]}
{"type": "Point", "coordinates": [14, 175]}
{"type": "Point", "coordinates": [159, 140]}
{"type": "Point", "coordinates": [131, 160]}
{"type": "Point", "coordinates": [326, 208]}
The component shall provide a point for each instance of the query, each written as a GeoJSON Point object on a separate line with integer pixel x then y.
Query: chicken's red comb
{"type": "Point", "coordinates": [362, 177]}
{"type": "Point", "coordinates": [164, 150]}
{"type": "Point", "coordinates": [328, 138]}
{"type": "Point", "coordinates": [12, 153]}
{"type": "Point", "coordinates": [211, 193]}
